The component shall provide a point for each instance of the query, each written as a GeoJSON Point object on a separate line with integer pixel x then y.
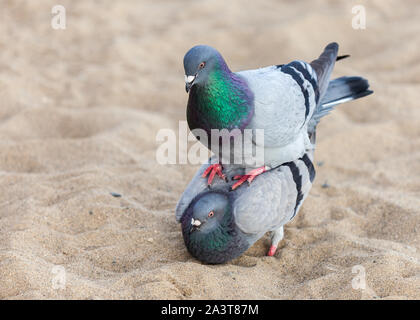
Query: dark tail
{"type": "Point", "coordinates": [339, 90]}
{"type": "Point", "coordinates": [345, 89]}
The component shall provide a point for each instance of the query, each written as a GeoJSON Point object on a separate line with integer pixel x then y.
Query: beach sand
{"type": "Point", "coordinates": [80, 110]}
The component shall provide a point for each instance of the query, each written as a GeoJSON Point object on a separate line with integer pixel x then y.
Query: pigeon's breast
{"type": "Point", "coordinates": [216, 108]}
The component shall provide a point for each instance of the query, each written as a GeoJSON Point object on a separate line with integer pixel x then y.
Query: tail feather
{"type": "Point", "coordinates": [342, 57]}
{"type": "Point", "coordinates": [324, 65]}
{"type": "Point", "coordinates": [339, 90]}
{"type": "Point", "coordinates": [344, 88]}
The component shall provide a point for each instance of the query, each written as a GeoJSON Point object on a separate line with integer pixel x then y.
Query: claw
{"type": "Point", "coordinates": [272, 251]}
{"type": "Point", "coordinates": [250, 176]}
{"type": "Point", "coordinates": [213, 170]}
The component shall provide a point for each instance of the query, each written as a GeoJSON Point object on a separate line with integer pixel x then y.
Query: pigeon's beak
{"type": "Point", "coordinates": [189, 81]}
{"type": "Point", "coordinates": [195, 222]}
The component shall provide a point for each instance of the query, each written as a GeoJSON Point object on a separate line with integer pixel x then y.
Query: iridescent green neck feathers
{"type": "Point", "coordinates": [224, 101]}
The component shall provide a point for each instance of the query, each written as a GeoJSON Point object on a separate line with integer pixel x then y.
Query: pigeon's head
{"type": "Point", "coordinates": [209, 212]}
{"type": "Point", "coordinates": [199, 61]}
{"type": "Point", "coordinates": [209, 229]}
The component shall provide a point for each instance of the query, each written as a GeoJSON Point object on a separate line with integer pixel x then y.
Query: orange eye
{"type": "Point", "coordinates": [211, 214]}
{"type": "Point", "coordinates": [202, 64]}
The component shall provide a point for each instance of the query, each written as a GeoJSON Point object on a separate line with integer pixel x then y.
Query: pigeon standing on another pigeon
{"type": "Point", "coordinates": [279, 99]}
{"type": "Point", "coordinates": [219, 224]}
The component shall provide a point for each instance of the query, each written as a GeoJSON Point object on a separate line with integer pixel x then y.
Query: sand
{"type": "Point", "coordinates": [80, 109]}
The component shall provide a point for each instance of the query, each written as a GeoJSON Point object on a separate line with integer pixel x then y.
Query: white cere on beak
{"type": "Point", "coordinates": [196, 223]}
{"type": "Point", "coordinates": [189, 79]}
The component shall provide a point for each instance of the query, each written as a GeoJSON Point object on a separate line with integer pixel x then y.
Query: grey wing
{"type": "Point", "coordinates": [285, 97]}
{"type": "Point", "coordinates": [275, 197]}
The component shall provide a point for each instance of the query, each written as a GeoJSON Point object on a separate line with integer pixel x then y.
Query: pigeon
{"type": "Point", "coordinates": [279, 100]}
{"type": "Point", "coordinates": [219, 224]}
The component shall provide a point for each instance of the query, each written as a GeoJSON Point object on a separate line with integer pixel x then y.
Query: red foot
{"type": "Point", "coordinates": [213, 169]}
{"type": "Point", "coordinates": [272, 251]}
{"type": "Point", "coordinates": [248, 177]}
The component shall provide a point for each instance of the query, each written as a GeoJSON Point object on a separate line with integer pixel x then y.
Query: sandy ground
{"type": "Point", "coordinates": [80, 109]}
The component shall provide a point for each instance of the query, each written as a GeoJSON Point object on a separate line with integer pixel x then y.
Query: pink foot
{"type": "Point", "coordinates": [272, 251]}
{"type": "Point", "coordinates": [249, 176]}
{"type": "Point", "coordinates": [213, 169]}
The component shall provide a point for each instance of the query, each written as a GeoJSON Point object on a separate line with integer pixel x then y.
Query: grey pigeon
{"type": "Point", "coordinates": [278, 99]}
{"type": "Point", "coordinates": [219, 224]}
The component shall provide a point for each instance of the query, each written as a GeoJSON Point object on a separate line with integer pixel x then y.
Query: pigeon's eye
{"type": "Point", "coordinates": [201, 65]}
{"type": "Point", "coordinates": [211, 214]}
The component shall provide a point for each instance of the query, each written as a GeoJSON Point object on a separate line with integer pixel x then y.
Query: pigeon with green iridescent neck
{"type": "Point", "coordinates": [279, 100]}
{"type": "Point", "coordinates": [219, 224]}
